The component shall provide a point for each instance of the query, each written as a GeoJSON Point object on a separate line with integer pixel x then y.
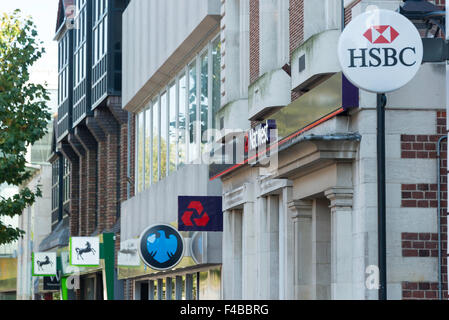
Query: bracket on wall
{"type": "Point", "coordinates": [435, 50]}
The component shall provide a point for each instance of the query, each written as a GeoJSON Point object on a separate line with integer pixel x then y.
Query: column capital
{"type": "Point", "coordinates": [300, 209]}
{"type": "Point", "coordinates": [340, 197]}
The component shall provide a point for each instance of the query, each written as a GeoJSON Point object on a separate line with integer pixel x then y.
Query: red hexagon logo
{"type": "Point", "coordinates": [381, 34]}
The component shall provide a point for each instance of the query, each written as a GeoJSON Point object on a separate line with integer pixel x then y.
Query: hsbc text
{"type": "Point", "coordinates": [382, 57]}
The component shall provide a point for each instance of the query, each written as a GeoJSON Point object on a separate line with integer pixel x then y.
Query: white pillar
{"type": "Point", "coordinates": [301, 214]}
{"type": "Point", "coordinates": [249, 257]}
{"type": "Point", "coordinates": [267, 217]}
{"type": "Point", "coordinates": [286, 260]}
{"type": "Point", "coordinates": [232, 255]}
{"type": "Point", "coordinates": [341, 242]}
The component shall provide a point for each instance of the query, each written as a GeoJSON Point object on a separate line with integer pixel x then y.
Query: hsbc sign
{"type": "Point", "coordinates": [380, 51]}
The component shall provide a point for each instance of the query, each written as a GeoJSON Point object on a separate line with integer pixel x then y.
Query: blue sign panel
{"type": "Point", "coordinates": [200, 214]}
{"type": "Point", "coordinates": [161, 247]}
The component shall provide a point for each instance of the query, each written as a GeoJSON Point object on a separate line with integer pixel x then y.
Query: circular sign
{"type": "Point", "coordinates": [380, 51]}
{"type": "Point", "coordinates": [161, 247]}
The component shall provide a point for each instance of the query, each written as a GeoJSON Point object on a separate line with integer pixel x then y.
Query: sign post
{"type": "Point", "coordinates": [380, 51]}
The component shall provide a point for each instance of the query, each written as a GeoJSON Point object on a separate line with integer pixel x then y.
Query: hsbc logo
{"type": "Point", "coordinates": [381, 34]}
{"type": "Point", "coordinates": [381, 56]}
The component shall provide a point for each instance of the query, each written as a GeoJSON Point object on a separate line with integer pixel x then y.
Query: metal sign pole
{"type": "Point", "coordinates": [381, 199]}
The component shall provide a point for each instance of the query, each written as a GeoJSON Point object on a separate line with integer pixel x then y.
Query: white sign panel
{"type": "Point", "coordinates": [44, 264]}
{"type": "Point", "coordinates": [380, 51]}
{"type": "Point", "coordinates": [128, 256]}
{"type": "Point", "coordinates": [85, 251]}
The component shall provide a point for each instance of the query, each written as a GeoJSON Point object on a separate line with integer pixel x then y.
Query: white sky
{"type": "Point", "coordinates": [44, 14]}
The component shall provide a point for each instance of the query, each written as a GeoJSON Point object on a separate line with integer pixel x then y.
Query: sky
{"type": "Point", "coordinates": [44, 14]}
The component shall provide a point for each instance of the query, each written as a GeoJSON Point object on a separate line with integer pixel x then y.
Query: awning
{"type": "Point", "coordinates": [58, 238]}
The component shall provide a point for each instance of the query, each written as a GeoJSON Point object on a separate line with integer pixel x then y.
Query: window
{"type": "Point", "coordinates": [216, 80]}
{"type": "Point", "coordinates": [164, 136]}
{"type": "Point", "coordinates": [172, 125]}
{"type": "Point", "coordinates": [155, 139]}
{"type": "Point", "coordinates": [182, 121]}
{"type": "Point", "coordinates": [178, 118]}
{"type": "Point", "coordinates": [66, 180]}
{"type": "Point", "coordinates": [55, 185]}
{"type": "Point", "coordinates": [204, 98]}
{"type": "Point", "coordinates": [140, 151]}
{"type": "Point", "coordinates": [147, 147]}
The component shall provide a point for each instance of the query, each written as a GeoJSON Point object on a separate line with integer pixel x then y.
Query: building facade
{"type": "Point", "coordinates": [89, 158]}
{"type": "Point", "coordinates": [305, 227]}
{"type": "Point", "coordinates": [174, 94]}
{"type": "Point", "coordinates": [300, 221]}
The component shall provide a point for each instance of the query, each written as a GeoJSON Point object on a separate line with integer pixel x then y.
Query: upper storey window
{"type": "Point", "coordinates": [174, 128]}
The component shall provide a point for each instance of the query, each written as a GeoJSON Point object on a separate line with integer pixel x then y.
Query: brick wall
{"type": "Point", "coordinates": [424, 195]}
{"type": "Point", "coordinates": [296, 27]}
{"type": "Point", "coordinates": [254, 42]}
{"type": "Point", "coordinates": [348, 11]}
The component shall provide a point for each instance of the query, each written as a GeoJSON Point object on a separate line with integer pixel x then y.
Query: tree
{"type": "Point", "coordinates": [24, 114]}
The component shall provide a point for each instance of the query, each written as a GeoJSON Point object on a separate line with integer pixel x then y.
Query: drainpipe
{"type": "Point", "coordinates": [440, 277]}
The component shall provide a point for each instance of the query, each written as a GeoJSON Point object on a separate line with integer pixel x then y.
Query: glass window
{"type": "Point", "coordinates": [182, 121]}
{"type": "Point", "coordinates": [192, 147]}
{"type": "Point", "coordinates": [147, 160]}
{"type": "Point", "coordinates": [176, 123]}
{"type": "Point", "coordinates": [140, 151]}
{"type": "Point", "coordinates": [204, 98]}
{"type": "Point", "coordinates": [164, 135]}
{"type": "Point", "coordinates": [66, 180]}
{"type": "Point", "coordinates": [216, 80]}
{"type": "Point", "coordinates": [155, 145]}
{"type": "Point", "coordinates": [172, 134]}
{"type": "Point", "coordinates": [55, 185]}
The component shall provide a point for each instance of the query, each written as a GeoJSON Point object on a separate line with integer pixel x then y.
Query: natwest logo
{"type": "Point", "coordinates": [381, 34]}
{"type": "Point", "coordinates": [196, 213]}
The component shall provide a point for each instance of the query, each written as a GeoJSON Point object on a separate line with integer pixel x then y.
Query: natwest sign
{"type": "Point", "coordinates": [380, 51]}
{"type": "Point", "coordinates": [261, 135]}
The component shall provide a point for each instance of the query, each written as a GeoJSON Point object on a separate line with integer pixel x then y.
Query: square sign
{"type": "Point", "coordinates": [44, 264]}
{"type": "Point", "coordinates": [200, 214]}
{"type": "Point", "coordinates": [85, 251]}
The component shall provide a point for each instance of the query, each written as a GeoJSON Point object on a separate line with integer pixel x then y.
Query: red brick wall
{"type": "Point", "coordinates": [440, 2]}
{"type": "Point", "coordinates": [348, 11]}
{"type": "Point", "coordinates": [296, 26]}
{"type": "Point", "coordinates": [424, 195]}
{"type": "Point", "coordinates": [421, 195]}
{"type": "Point", "coordinates": [254, 42]}
{"type": "Point", "coordinates": [102, 183]}
{"type": "Point", "coordinates": [74, 197]}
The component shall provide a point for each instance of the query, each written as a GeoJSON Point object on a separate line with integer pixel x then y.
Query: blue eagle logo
{"type": "Point", "coordinates": [161, 247]}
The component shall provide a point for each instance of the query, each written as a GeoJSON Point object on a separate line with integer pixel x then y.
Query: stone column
{"type": "Point", "coordinates": [341, 242]}
{"type": "Point", "coordinates": [249, 257]}
{"type": "Point", "coordinates": [301, 214]}
{"type": "Point", "coordinates": [286, 260]}
{"type": "Point", "coordinates": [232, 255]}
